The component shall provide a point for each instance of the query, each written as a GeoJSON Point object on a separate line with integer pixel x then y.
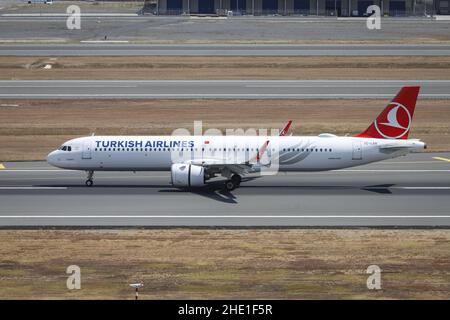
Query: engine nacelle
{"type": "Point", "coordinates": [187, 175]}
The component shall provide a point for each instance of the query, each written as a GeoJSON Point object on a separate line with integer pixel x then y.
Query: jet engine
{"type": "Point", "coordinates": [187, 175]}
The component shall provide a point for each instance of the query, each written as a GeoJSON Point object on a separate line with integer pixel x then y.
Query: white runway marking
{"type": "Point", "coordinates": [31, 188]}
{"type": "Point", "coordinates": [77, 86]}
{"type": "Point", "coordinates": [40, 170]}
{"type": "Point", "coordinates": [104, 41]}
{"type": "Point", "coordinates": [50, 14]}
{"type": "Point", "coordinates": [288, 173]}
{"type": "Point", "coordinates": [225, 216]}
{"type": "Point", "coordinates": [217, 95]}
{"type": "Point", "coordinates": [407, 162]}
{"type": "Point", "coordinates": [391, 170]}
{"type": "Point", "coordinates": [43, 187]}
{"type": "Point", "coordinates": [422, 188]}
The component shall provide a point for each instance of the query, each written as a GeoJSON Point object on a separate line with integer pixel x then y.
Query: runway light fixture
{"type": "Point", "coordinates": [136, 287]}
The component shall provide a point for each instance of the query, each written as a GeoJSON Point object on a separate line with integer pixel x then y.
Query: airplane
{"type": "Point", "coordinates": [193, 160]}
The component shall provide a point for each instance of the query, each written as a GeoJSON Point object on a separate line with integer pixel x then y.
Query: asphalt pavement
{"type": "Point", "coordinates": [411, 191]}
{"type": "Point", "coordinates": [217, 89]}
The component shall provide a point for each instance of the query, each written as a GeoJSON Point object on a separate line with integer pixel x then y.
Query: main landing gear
{"type": "Point", "coordinates": [233, 183]}
{"type": "Point", "coordinates": [89, 182]}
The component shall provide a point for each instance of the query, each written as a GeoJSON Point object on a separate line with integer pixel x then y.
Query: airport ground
{"type": "Point", "coordinates": [225, 68]}
{"type": "Point", "coordinates": [228, 264]}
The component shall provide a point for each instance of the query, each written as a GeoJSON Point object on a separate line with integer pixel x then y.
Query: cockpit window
{"type": "Point", "coordinates": [65, 148]}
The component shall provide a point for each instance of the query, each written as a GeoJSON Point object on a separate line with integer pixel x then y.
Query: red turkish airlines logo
{"type": "Point", "coordinates": [395, 122]}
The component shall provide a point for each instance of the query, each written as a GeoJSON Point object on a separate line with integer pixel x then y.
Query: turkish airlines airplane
{"type": "Point", "coordinates": [193, 160]}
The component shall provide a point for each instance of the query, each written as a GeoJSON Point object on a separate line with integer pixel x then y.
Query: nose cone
{"type": "Point", "coordinates": [52, 158]}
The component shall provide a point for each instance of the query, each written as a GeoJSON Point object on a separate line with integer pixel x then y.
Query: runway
{"type": "Point", "coordinates": [103, 48]}
{"type": "Point", "coordinates": [217, 89]}
{"type": "Point", "coordinates": [409, 191]}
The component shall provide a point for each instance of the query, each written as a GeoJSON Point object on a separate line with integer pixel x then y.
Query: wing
{"type": "Point", "coordinates": [212, 165]}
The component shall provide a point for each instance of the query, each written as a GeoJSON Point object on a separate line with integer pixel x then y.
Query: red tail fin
{"type": "Point", "coordinates": [395, 120]}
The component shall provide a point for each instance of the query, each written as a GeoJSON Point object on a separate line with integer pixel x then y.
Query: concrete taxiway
{"type": "Point", "coordinates": [217, 89]}
{"type": "Point", "coordinates": [103, 48]}
{"type": "Point", "coordinates": [408, 191]}
{"type": "Point", "coordinates": [43, 26]}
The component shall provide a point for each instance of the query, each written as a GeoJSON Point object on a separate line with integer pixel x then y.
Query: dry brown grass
{"type": "Point", "coordinates": [281, 264]}
{"type": "Point", "coordinates": [205, 68]}
{"type": "Point", "coordinates": [35, 127]}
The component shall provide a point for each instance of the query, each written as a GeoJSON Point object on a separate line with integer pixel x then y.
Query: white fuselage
{"type": "Point", "coordinates": [291, 153]}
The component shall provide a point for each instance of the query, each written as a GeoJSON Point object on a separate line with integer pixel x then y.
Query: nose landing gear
{"type": "Point", "coordinates": [89, 182]}
{"type": "Point", "coordinates": [233, 183]}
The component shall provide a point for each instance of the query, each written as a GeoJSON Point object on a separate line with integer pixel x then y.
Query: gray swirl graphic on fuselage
{"type": "Point", "coordinates": [292, 157]}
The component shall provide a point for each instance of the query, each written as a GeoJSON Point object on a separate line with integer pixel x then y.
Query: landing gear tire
{"type": "Point", "coordinates": [229, 185]}
{"type": "Point", "coordinates": [233, 183]}
{"type": "Point", "coordinates": [236, 179]}
{"type": "Point", "coordinates": [89, 181]}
